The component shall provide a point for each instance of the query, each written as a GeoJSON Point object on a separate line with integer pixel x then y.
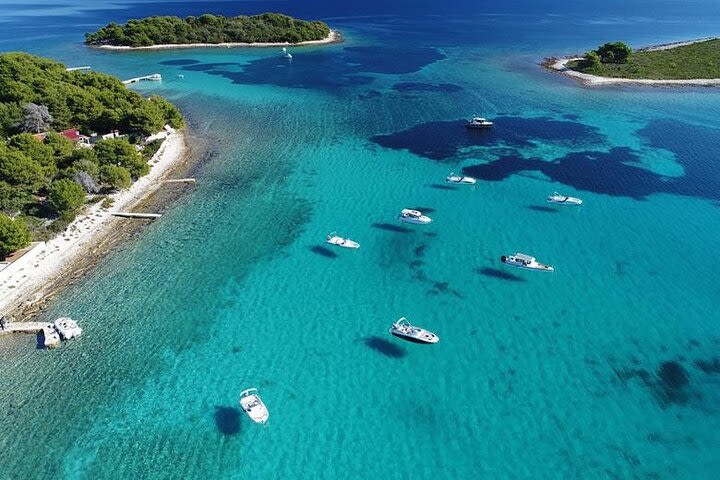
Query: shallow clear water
{"type": "Point", "coordinates": [536, 376]}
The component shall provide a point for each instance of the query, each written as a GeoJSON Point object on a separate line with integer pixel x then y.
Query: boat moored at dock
{"type": "Point", "coordinates": [253, 405]}
{"type": "Point", "coordinates": [404, 330]}
{"type": "Point", "coordinates": [527, 262]}
{"type": "Point", "coordinates": [414, 216]}
{"type": "Point", "coordinates": [558, 199]}
{"type": "Point", "coordinates": [67, 328]}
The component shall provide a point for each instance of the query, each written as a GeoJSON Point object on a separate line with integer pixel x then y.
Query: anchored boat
{"type": "Point", "coordinates": [414, 216]}
{"type": "Point", "coordinates": [479, 122]}
{"type": "Point", "coordinates": [454, 178]}
{"type": "Point", "coordinates": [254, 407]}
{"type": "Point", "coordinates": [521, 260]}
{"type": "Point", "coordinates": [403, 329]}
{"type": "Point", "coordinates": [286, 54]}
{"type": "Point", "coordinates": [558, 199]}
{"type": "Point", "coordinates": [338, 241]}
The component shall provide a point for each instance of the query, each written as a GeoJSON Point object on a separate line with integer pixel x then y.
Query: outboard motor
{"type": "Point", "coordinates": [503, 258]}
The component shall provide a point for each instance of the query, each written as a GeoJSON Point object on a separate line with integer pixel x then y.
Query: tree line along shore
{"type": "Point", "coordinates": [209, 29]}
{"type": "Point", "coordinates": [67, 138]}
{"type": "Point", "coordinates": [695, 60]}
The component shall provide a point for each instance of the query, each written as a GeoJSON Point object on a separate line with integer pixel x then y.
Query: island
{"type": "Point", "coordinates": [695, 62]}
{"type": "Point", "coordinates": [73, 143]}
{"type": "Point", "coordinates": [267, 29]}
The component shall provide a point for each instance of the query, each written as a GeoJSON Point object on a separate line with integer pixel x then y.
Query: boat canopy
{"type": "Point", "coordinates": [524, 258]}
{"type": "Point", "coordinates": [412, 213]}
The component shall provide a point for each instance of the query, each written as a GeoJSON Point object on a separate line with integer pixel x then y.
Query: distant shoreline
{"type": "Point", "coordinates": [48, 266]}
{"type": "Point", "coordinates": [559, 65]}
{"type": "Point", "coordinates": [333, 37]}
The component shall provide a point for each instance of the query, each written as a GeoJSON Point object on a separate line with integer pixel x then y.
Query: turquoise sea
{"type": "Point", "coordinates": [609, 368]}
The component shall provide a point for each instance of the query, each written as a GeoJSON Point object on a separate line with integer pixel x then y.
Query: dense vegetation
{"type": "Point", "coordinates": [698, 60]}
{"type": "Point", "coordinates": [268, 27]}
{"type": "Point", "coordinates": [44, 182]}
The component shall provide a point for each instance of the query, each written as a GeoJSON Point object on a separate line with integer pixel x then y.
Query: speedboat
{"type": "Point", "coordinates": [403, 329]}
{"type": "Point", "coordinates": [479, 122]}
{"type": "Point", "coordinates": [414, 216]}
{"type": "Point", "coordinates": [454, 178]}
{"type": "Point", "coordinates": [252, 404]}
{"type": "Point", "coordinates": [287, 54]}
{"type": "Point", "coordinates": [67, 328]}
{"type": "Point", "coordinates": [334, 239]}
{"type": "Point", "coordinates": [521, 260]}
{"type": "Point", "coordinates": [558, 199]}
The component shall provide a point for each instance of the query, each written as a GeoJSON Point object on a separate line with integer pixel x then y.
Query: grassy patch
{"type": "Point", "coordinates": [699, 60]}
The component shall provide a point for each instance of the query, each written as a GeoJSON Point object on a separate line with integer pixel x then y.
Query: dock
{"type": "Point", "coordinates": [50, 337]}
{"type": "Point", "coordinates": [155, 77]}
{"type": "Point", "coordinates": [180, 180]}
{"type": "Point", "coordinates": [74, 69]}
{"type": "Point", "coordinates": [136, 215]}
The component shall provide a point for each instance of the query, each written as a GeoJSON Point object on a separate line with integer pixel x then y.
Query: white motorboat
{"type": "Point", "coordinates": [286, 54]}
{"type": "Point", "coordinates": [334, 239]}
{"type": "Point", "coordinates": [403, 329]}
{"type": "Point", "coordinates": [414, 216]}
{"type": "Point", "coordinates": [252, 404]}
{"type": "Point", "coordinates": [558, 199]}
{"type": "Point", "coordinates": [67, 328]}
{"type": "Point", "coordinates": [454, 178]}
{"type": "Point", "coordinates": [479, 122]}
{"type": "Point", "coordinates": [521, 260]}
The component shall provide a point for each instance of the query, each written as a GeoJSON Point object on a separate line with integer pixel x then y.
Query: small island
{"type": "Point", "coordinates": [683, 63]}
{"type": "Point", "coordinates": [268, 29]}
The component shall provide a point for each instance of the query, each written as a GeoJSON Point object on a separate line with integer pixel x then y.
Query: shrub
{"type": "Point", "coordinates": [66, 197]}
{"type": "Point", "coordinates": [14, 235]}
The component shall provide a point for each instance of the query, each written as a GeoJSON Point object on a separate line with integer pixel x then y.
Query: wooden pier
{"type": "Point", "coordinates": [50, 337]}
{"type": "Point", "coordinates": [136, 215]}
{"type": "Point", "coordinates": [155, 77]}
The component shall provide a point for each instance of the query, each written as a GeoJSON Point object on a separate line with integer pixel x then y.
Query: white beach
{"type": "Point", "coordinates": [27, 280]}
{"type": "Point", "coordinates": [332, 37]}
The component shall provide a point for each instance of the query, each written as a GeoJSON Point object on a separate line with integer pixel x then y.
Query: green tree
{"type": "Point", "coordinates": [36, 150]}
{"type": "Point", "coordinates": [14, 235]}
{"type": "Point", "coordinates": [119, 152]}
{"type": "Point", "coordinates": [591, 60]}
{"type": "Point", "coordinates": [66, 197]}
{"type": "Point", "coordinates": [614, 52]}
{"type": "Point", "coordinates": [19, 170]}
{"type": "Point", "coordinates": [115, 177]}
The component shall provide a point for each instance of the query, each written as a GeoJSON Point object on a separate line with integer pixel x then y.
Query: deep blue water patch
{"type": "Point", "coordinates": [500, 274]}
{"type": "Point", "coordinates": [426, 87]}
{"type": "Point", "coordinates": [389, 227]}
{"type": "Point", "coordinates": [352, 66]}
{"type": "Point", "coordinates": [619, 171]}
{"type": "Point", "coordinates": [385, 347]}
{"type": "Point", "coordinates": [443, 140]}
{"type": "Point", "coordinates": [323, 251]}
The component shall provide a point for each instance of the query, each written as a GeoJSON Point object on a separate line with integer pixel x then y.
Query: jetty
{"type": "Point", "coordinates": [180, 180]}
{"type": "Point", "coordinates": [136, 215]}
{"type": "Point", "coordinates": [75, 69]}
{"type": "Point", "coordinates": [50, 336]}
{"type": "Point", "coordinates": [155, 77]}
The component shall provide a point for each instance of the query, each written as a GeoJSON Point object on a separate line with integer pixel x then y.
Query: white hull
{"type": "Point", "coordinates": [526, 263]}
{"type": "Point", "coordinates": [254, 407]}
{"type": "Point", "coordinates": [67, 328]}
{"type": "Point", "coordinates": [342, 242]}
{"type": "Point", "coordinates": [461, 180]}
{"type": "Point", "coordinates": [416, 221]}
{"type": "Point", "coordinates": [403, 330]}
{"type": "Point", "coordinates": [562, 200]}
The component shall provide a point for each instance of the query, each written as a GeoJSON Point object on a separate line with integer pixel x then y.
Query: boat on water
{"type": "Point", "coordinates": [413, 216]}
{"type": "Point", "coordinates": [454, 178]}
{"type": "Point", "coordinates": [479, 122]}
{"type": "Point", "coordinates": [67, 328]}
{"type": "Point", "coordinates": [522, 260]}
{"type": "Point", "coordinates": [404, 330]}
{"type": "Point", "coordinates": [286, 54]}
{"type": "Point", "coordinates": [558, 199]}
{"type": "Point", "coordinates": [338, 241]}
{"type": "Point", "coordinates": [252, 405]}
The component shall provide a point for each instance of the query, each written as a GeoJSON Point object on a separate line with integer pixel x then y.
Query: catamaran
{"type": "Point", "coordinates": [413, 216]}
{"type": "Point", "coordinates": [252, 404]}
{"type": "Point", "coordinates": [521, 260]}
{"type": "Point", "coordinates": [335, 239]}
{"type": "Point", "coordinates": [454, 178]}
{"type": "Point", "coordinates": [403, 329]}
{"type": "Point", "coordinates": [558, 199]}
